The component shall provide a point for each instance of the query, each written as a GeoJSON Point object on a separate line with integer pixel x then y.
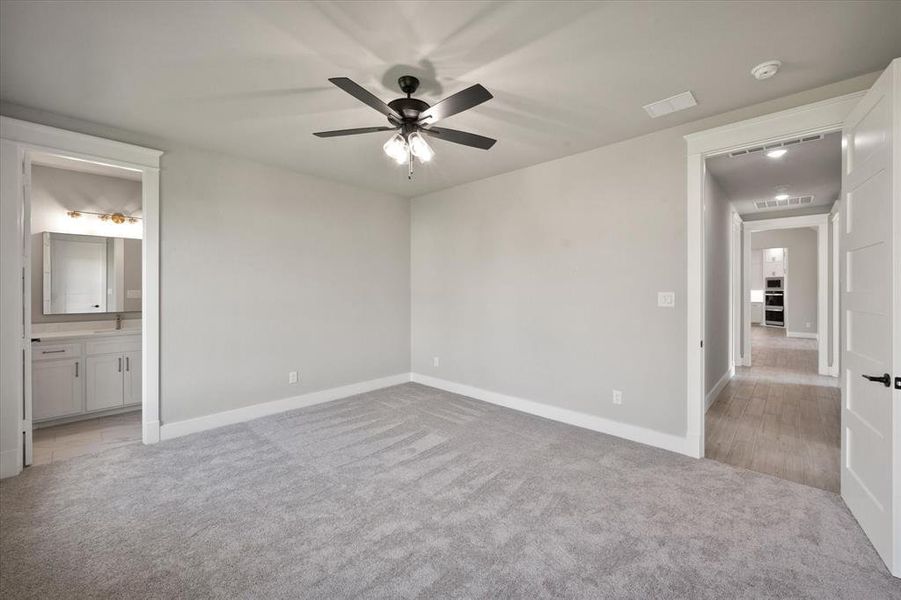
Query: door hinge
{"type": "Point", "coordinates": [702, 343]}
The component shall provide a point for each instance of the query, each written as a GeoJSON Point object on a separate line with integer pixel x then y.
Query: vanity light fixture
{"type": "Point", "coordinates": [117, 217]}
{"type": "Point", "coordinates": [777, 153]}
{"type": "Point", "coordinates": [781, 197]}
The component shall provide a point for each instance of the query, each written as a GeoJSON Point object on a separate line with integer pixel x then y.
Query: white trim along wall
{"type": "Point", "coordinates": [820, 117]}
{"type": "Point", "coordinates": [643, 435]}
{"type": "Point", "coordinates": [18, 140]}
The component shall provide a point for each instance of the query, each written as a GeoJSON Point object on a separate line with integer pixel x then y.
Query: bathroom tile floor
{"type": "Point", "coordinates": [61, 442]}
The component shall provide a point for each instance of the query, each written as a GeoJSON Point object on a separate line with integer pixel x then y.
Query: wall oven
{"type": "Point", "coordinates": [774, 302]}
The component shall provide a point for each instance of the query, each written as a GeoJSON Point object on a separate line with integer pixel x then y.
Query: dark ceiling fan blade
{"type": "Point", "coordinates": [460, 137]}
{"type": "Point", "coordinates": [365, 97]}
{"type": "Point", "coordinates": [471, 96]}
{"type": "Point", "coordinates": [357, 131]}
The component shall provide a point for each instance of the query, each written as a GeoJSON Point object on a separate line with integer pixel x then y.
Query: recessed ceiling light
{"type": "Point", "coordinates": [781, 197]}
{"type": "Point", "coordinates": [777, 153]}
{"type": "Point", "coordinates": [767, 69]}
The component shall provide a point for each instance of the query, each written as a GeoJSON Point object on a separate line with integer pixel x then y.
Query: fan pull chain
{"type": "Point", "coordinates": [409, 163]}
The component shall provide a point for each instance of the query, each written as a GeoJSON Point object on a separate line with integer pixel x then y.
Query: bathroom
{"type": "Point", "coordinates": [85, 298]}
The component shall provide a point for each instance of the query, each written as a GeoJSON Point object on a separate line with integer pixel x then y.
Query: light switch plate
{"type": "Point", "coordinates": [666, 299]}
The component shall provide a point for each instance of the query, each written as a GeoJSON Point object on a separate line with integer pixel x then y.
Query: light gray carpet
{"type": "Point", "coordinates": [413, 492]}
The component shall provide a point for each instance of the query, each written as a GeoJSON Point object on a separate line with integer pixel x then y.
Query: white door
{"type": "Point", "coordinates": [56, 389]}
{"type": "Point", "coordinates": [132, 382]}
{"type": "Point", "coordinates": [871, 319]}
{"type": "Point", "coordinates": [104, 381]}
{"type": "Point", "coordinates": [78, 276]}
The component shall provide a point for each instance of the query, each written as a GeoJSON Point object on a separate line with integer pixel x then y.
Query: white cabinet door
{"type": "Point", "coordinates": [132, 381]}
{"type": "Point", "coordinates": [757, 312]}
{"type": "Point", "coordinates": [56, 388]}
{"type": "Point", "coordinates": [104, 381]}
{"type": "Point", "coordinates": [871, 315]}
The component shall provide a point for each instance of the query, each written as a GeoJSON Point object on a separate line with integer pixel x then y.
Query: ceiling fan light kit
{"type": "Point", "coordinates": [410, 118]}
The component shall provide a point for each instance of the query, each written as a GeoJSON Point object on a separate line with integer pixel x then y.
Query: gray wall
{"type": "Point", "coordinates": [541, 283]}
{"type": "Point", "coordinates": [717, 226]}
{"type": "Point", "coordinates": [264, 271]}
{"type": "Point", "coordinates": [802, 273]}
{"type": "Point", "coordinates": [53, 192]}
{"type": "Point", "coordinates": [132, 268]}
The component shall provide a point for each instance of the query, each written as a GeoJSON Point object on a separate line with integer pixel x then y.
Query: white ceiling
{"type": "Point", "coordinates": [809, 168]}
{"type": "Point", "coordinates": [250, 78]}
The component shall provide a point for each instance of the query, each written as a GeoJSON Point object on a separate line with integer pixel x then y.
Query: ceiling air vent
{"type": "Point", "coordinates": [787, 203]}
{"type": "Point", "coordinates": [755, 149]}
{"type": "Point", "coordinates": [670, 105]}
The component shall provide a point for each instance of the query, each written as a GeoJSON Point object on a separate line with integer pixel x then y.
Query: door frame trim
{"type": "Point", "coordinates": [24, 138]}
{"type": "Point", "coordinates": [819, 117]}
{"type": "Point", "coordinates": [836, 293]}
{"type": "Point", "coordinates": [736, 291]}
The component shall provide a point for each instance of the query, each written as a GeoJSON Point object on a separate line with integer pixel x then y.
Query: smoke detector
{"type": "Point", "coordinates": [765, 70]}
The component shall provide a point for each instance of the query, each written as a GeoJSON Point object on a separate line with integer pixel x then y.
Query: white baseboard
{"type": "Point", "coordinates": [635, 433]}
{"type": "Point", "coordinates": [168, 431]}
{"type": "Point", "coordinates": [151, 432]}
{"type": "Point", "coordinates": [10, 463]}
{"type": "Point", "coordinates": [715, 392]}
{"type": "Point", "coordinates": [801, 334]}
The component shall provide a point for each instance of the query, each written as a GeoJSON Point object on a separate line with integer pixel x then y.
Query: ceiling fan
{"type": "Point", "coordinates": [411, 117]}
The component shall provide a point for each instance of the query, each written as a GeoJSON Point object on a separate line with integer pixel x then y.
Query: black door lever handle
{"type": "Point", "coordinates": [885, 380]}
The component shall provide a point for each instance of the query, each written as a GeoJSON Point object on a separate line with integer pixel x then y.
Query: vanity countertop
{"type": "Point", "coordinates": [82, 333]}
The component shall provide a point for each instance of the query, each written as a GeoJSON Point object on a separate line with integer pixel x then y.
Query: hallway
{"type": "Point", "coordinates": [779, 417]}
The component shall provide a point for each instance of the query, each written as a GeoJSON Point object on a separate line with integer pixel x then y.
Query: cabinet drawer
{"type": "Point", "coordinates": [126, 344]}
{"type": "Point", "coordinates": [55, 351]}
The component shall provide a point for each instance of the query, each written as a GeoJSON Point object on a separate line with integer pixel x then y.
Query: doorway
{"type": "Point", "coordinates": [83, 377]}
{"type": "Point", "coordinates": [85, 238]}
{"type": "Point", "coordinates": [776, 409]}
{"type": "Point", "coordinates": [869, 363]}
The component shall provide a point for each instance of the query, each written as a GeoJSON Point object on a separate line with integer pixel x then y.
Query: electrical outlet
{"type": "Point", "coordinates": [617, 397]}
{"type": "Point", "coordinates": [666, 299]}
{"type": "Point", "coordinates": [292, 377]}
{"type": "Point", "coordinates": [808, 324]}
{"type": "Point", "coordinates": [436, 361]}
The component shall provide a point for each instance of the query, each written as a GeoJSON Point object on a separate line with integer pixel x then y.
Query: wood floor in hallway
{"type": "Point", "coordinates": [779, 417]}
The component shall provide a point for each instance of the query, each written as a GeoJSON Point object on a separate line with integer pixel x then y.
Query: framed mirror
{"type": "Point", "coordinates": [90, 274]}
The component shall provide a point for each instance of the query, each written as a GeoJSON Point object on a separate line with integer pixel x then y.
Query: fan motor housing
{"type": "Point", "coordinates": [409, 108]}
